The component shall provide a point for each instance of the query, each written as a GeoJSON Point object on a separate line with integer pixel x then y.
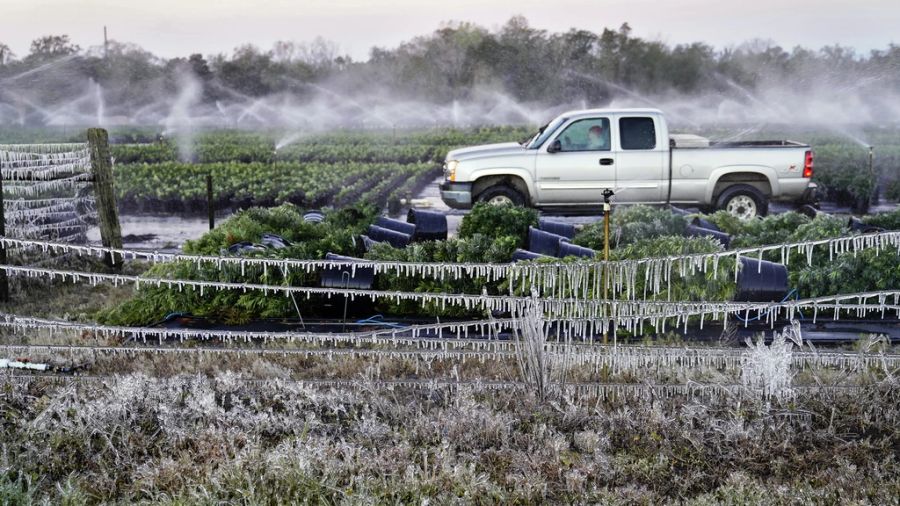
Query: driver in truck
{"type": "Point", "coordinates": [596, 140]}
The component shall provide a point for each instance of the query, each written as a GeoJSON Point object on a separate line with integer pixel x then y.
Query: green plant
{"type": "Point", "coordinates": [887, 221]}
{"type": "Point", "coordinates": [700, 286]}
{"type": "Point", "coordinates": [477, 248]}
{"type": "Point", "coordinates": [338, 234]}
{"type": "Point", "coordinates": [498, 221]}
{"type": "Point", "coordinates": [631, 224]}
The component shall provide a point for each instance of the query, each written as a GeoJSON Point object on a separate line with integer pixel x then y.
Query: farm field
{"type": "Point", "coordinates": [155, 173]}
{"type": "Point", "coordinates": [232, 372]}
{"type": "Point", "coordinates": [228, 275]}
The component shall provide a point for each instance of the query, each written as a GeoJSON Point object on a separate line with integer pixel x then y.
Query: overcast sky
{"type": "Point", "coordinates": [171, 28]}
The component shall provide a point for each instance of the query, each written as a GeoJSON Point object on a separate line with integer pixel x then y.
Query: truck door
{"type": "Point", "coordinates": [577, 164]}
{"type": "Point", "coordinates": [641, 161]}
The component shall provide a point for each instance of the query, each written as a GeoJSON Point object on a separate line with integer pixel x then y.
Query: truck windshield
{"type": "Point", "coordinates": [545, 131]}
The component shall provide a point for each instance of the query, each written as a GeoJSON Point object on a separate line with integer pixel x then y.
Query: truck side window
{"type": "Point", "coordinates": [637, 133]}
{"type": "Point", "coordinates": [586, 135]}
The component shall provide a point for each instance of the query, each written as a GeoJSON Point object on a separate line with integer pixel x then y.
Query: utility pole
{"type": "Point", "coordinates": [105, 44]}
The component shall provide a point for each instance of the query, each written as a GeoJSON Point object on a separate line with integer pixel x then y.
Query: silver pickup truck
{"type": "Point", "coordinates": [570, 162]}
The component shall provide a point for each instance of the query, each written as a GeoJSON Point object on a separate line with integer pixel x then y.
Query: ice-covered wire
{"type": "Point", "coordinates": [555, 278]}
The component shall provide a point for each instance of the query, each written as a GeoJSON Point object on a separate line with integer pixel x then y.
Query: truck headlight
{"type": "Point", "coordinates": [450, 169]}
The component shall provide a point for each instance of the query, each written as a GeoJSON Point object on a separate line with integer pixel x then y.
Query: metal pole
{"type": "Point", "coordinates": [872, 174]}
{"type": "Point", "coordinates": [345, 277]}
{"type": "Point", "coordinates": [210, 205]}
{"type": "Point", "coordinates": [607, 208]}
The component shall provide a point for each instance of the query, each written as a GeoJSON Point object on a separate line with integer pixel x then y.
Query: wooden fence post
{"type": "Point", "coordinates": [101, 169]}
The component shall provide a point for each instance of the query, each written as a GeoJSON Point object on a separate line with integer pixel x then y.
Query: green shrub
{"type": "Point", "coordinates": [498, 221]}
{"type": "Point", "coordinates": [309, 241]}
{"type": "Point", "coordinates": [842, 172]}
{"type": "Point", "coordinates": [632, 224]}
{"type": "Point", "coordinates": [475, 249]}
{"type": "Point", "coordinates": [887, 221]}
{"type": "Point", "coordinates": [700, 286]}
{"type": "Point", "coordinates": [778, 228]}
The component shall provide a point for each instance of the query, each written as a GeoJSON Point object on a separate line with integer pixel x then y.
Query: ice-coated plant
{"type": "Point", "coordinates": [766, 370]}
{"type": "Point", "coordinates": [538, 368]}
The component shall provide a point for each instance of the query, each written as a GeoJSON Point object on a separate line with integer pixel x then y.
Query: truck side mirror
{"type": "Point", "coordinates": [554, 147]}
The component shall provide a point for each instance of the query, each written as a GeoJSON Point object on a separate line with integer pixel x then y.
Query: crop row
{"type": "Point", "coordinates": [176, 186]}
{"type": "Point", "coordinates": [491, 234]}
{"type": "Point", "coordinates": [161, 152]}
{"type": "Point", "coordinates": [844, 174]}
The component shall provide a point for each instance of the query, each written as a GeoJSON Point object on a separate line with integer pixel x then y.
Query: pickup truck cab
{"type": "Point", "coordinates": [570, 161]}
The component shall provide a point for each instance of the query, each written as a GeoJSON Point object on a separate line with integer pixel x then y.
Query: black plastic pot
{"type": "Point", "coordinates": [359, 277]}
{"type": "Point", "coordinates": [392, 237]}
{"type": "Point", "coordinates": [399, 226]}
{"type": "Point", "coordinates": [761, 281]}
{"type": "Point", "coordinates": [566, 230]}
{"type": "Point", "coordinates": [859, 226]}
{"type": "Point", "coordinates": [274, 241]}
{"type": "Point", "coordinates": [368, 242]}
{"type": "Point", "coordinates": [679, 211]}
{"type": "Point", "coordinates": [430, 225]}
{"type": "Point", "coordinates": [544, 243]}
{"type": "Point", "coordinates": [567, 249]}
{"type": "Point", "coordinates": [700, 222]}
{"type": "Point", "coordinates": [521, 254]}
{"type": "Point", "coordinates": [808, 210]}
{"type": "Point", "coordinates": [313, 217]}
{"type": "Point", "coordinates": [239, 248]}
{"type": "Point", "coordinates": [695, 231]}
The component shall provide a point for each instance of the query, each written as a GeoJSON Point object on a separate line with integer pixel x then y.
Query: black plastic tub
{"type": "Point", "coordinates": [567, 249]}
{"type": "Point", "coordinates": [359, 277]}
{"type": "Point", "coordinates": [392, 237]}
{"type": "Point", "coordinates": [857, 225]}
{"type": "Point", "coordinates": [397, 225]}
{"type": "Point", "coordinates": [520, 255]}
{"type": "Point", "coordinates": [808, 210]}
{"type": "Point", "coordinates": [761, 281]}
{"type": "Point", "coordinates": [313, 217]}
{"type": "Point", "coordinates": [544, 243]}
{"type": "Point", "coordinates": [430, 225]}
{"type": "Point", "coordinates": [566, 230]}
{"type": "Point", "coordinates": [695, 231]}
{"type": "Point", "coordinates": [700, 222]}
{"type": "Point", "coordinates": [368, 242]}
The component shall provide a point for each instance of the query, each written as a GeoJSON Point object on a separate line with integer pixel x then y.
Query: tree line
{"type": "Point", "coordinates": [526, 63]}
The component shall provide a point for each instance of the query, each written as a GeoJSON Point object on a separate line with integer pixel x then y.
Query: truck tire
{"type": "Point", "coordinates": [743, 201]}
{"type": "Point", "coordinates": [501, 194]}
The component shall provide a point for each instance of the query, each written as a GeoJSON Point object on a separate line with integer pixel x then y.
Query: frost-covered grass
{"type": "Point", "coordinates": [198, 440]}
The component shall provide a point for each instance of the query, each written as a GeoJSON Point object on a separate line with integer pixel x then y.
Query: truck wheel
{"type": "Point", "coordinates": [743, 201]}
{"type": "Point", "coordinates": [501, 195]}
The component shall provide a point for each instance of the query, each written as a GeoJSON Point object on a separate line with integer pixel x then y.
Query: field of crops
{"type": "Point", "coordinates": [312, 171]}
{"type": "Point", "coordinates": [159, 173]}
